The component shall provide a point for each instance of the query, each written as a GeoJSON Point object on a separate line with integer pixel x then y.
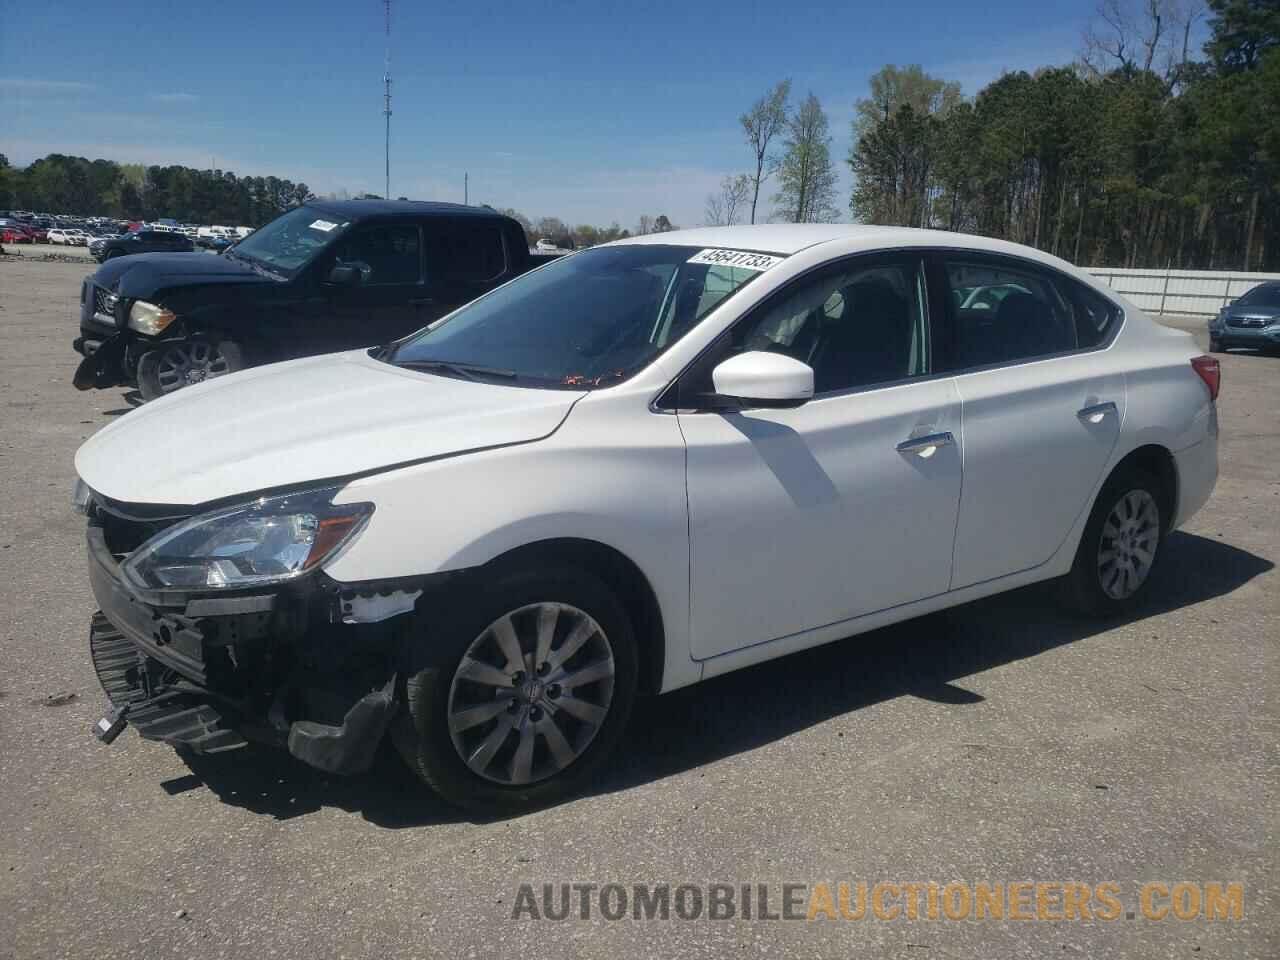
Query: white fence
{"type": "Point", "coordinates": [1194, 292]}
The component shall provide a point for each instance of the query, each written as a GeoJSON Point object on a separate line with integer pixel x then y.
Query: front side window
{"type": "Point", "coordinates": [384, 253]}
{"type": "Point", "coordinates": [856, 326]}
{"type": "Point", "coordinates": [591, 319]}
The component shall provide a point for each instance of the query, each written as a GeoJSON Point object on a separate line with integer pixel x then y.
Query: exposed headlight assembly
{"type": "Point", "coordinates": [149, 319]}
{"type": "Point", "coordinates": [271, 540]}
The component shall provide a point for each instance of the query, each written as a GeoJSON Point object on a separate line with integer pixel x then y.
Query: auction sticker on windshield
{"type": "Point", "coordinates": [736, 258]}
{"type": "Point", "coordinates": [324, 225]}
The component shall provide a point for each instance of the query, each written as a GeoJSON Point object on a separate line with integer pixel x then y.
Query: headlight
{"type": "Point", "coordinates": [270, 540]}
{"type": "Point", "coordinates": [81, 495]}
{"type": "Point", "coordinates": [149, 319]}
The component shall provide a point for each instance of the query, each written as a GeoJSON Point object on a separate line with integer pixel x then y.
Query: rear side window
{"type": "Point", "coordinates": [1093, 315]}
{"type": "Point", "coordinates": [465, 251]}
{"type": "Point", "coordinates": [1003, 314]}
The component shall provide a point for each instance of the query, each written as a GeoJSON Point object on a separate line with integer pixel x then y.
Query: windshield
{"type": "Point", "coordinates": [588, 320]}
{"type": "Point", "coordinates": [290, 240]}
{"type": "Point", "coordinates": [1265, 295]}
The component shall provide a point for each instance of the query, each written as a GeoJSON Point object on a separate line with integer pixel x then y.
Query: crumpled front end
{"type": "Point", "coordinates": [310, 666]}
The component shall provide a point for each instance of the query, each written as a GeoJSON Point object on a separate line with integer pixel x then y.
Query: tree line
{"type": "Point", "coordinates": [1141, 154]}
{"type": "Point", "coordinates": [584, 234]}
{"type": "Point", "coordinates": [75, 186]}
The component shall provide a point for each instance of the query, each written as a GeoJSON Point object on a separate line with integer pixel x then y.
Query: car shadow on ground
{"type": "Point", "coordinates": [927, 657]}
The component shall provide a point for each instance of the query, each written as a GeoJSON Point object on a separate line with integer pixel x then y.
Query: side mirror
{"type": "Point", "coordinates": [761, 379]}
{"type": "Point", "coordinates": [344, 276]}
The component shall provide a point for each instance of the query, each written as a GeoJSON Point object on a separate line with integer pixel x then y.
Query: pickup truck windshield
{"type": "Point", "coordinates": [591, 319]}
{"type": "Point", "coordinates": [291, 239]}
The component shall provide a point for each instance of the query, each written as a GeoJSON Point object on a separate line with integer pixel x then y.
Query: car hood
{"type": "Point", "coordinates": [1246, 312]}
{"type": "Point", "coordinates": [305, 421]}
{"type": "Point", "coordinates": [140, 275]}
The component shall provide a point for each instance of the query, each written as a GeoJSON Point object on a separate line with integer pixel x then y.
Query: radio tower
{"type": "Point", "coordinates": [386, 102]}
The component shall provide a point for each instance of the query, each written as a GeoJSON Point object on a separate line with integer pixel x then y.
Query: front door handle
{"type": "Point", "coordinates": [1096, 411]}
{"type": "Point", "coordinates": [926, 446]}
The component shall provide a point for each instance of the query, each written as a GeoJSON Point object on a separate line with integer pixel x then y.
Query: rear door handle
{"type": "Point", "coordinates": [927, 445]}
{"type": "Point", "coordinates": [1096, 411]}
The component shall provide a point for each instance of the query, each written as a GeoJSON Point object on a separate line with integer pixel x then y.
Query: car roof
{"type": "Point", "coordinates": [360, 209]}
{"type": "Point", "coordinates": [789, 238]}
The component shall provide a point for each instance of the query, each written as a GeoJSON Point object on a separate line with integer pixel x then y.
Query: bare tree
{"type": "Point", "coordinates": [1141, 35]}
{"type": "Point", "coordinates": [764, 121]}
{"type": "Point", "coordinates": [645, 225]}
{"type": "Point", "coordinates": [725, 208]}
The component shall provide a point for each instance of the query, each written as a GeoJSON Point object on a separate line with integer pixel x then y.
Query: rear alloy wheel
{"type": "Point", "coordinates": [1120, 545]}
{"type": "Point", "coordinates": [181, 363]}
{"type": "Point", "coordinates": [528, 687]}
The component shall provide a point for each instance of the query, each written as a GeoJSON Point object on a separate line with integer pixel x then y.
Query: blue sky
{"type": "Point", "coordinates": [592, 112]}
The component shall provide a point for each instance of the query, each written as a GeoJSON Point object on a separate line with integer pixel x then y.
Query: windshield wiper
{"type": "Point", "coordinates": [471, 371]}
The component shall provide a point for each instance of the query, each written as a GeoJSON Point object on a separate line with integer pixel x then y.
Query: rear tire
{"type": "Point", "coordinates": [1215, 345]}
{"type": "Point", "coordinates": [1120, 545]}
{"type": "Point", "coordinates": [491, 738]}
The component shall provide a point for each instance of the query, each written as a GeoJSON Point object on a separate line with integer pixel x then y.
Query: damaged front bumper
{"type": "Point", "coordinates": [311, 667]}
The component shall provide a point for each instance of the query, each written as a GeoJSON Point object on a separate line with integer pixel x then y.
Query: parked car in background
{"type": "Point", "coordinates": [143, 241]}
{"type": "Point", "coordinates": [215, 242]}
{"type": "Point", "coordinates": [58, 235]}
{"type": "Point", "coordinates": [324, 277]}
{"type": "Point", "coordinates": [643, 466]}
{"type": "Point", "coordinates": [1252, 320]}
{"type": "Point", "coordinates": [15, 234]}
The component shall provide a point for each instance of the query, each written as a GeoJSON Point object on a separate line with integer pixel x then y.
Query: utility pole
{"type": "Point", "coordinates": [386, 102]}
{"type": "Point", "coordinates": [466, 187]}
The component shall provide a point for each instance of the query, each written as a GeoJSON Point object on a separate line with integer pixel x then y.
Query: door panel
{"type": "Point", "coordinates": [1032, 459]}
{"type": "Point", "coordinates": [805, 517]}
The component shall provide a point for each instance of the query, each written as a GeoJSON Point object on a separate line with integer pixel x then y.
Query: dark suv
{"type": "Point", "coordinates": [144, 241]}
{"type": "Point", "coordinates": [324, 277]}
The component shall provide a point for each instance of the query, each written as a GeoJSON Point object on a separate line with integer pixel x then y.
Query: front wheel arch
{"type": "Point", "coordinates": [617, 571]}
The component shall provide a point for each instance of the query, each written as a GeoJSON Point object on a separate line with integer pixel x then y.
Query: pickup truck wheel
{"type": "Point", "coordinates": [525, 688]}
{"type": "Point", "coordinates": [1120, 546]}
{"type": "Point", "coordinates": [180, 363]}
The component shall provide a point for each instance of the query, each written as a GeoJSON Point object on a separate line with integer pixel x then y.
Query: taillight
{"type": "Point", "coordinates": [1210, 371]}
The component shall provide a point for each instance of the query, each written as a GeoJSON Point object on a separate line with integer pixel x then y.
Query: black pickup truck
{"type": "Point", "coordinates": [320, 278]}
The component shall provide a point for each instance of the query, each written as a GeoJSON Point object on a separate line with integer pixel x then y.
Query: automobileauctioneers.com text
{"type": "Point", "coordinates": [1155, 900]}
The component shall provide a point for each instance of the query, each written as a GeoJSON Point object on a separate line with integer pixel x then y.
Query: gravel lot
{"type": "Point", "coordinates": [1003, 741]}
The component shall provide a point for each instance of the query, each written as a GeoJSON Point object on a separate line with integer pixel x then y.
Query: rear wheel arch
{"type": "Point", "coordinates": [1156, 461]}
{"type": "Point", "coordinates": [613, 568]}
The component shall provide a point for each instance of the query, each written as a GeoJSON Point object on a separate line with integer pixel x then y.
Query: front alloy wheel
{"type": "Point", "coordinates": [531, 693]}
{"type": "Point", "coordinates": [181, 363]}
{"type": "Point", "coordinates": [520, 687]}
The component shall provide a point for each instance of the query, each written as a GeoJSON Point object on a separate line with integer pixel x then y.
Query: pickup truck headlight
{"type": "Point", "coordinates": [271, 540]}
{"type": "Point", "coordinates": [149, 319]}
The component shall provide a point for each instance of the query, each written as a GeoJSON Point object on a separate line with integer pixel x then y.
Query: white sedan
{"type": "Point", "coordinates": [638, 467]}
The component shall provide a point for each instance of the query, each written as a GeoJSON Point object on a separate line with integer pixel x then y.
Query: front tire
{"type": "Point", "coordinates": [180, 363]}
{"type": "Point", "coordinates": [521, 690]}
{"type": "Point", "coordinates": [1120, 545]}
{"type": "Point", "coordinates": [1215, 345]}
